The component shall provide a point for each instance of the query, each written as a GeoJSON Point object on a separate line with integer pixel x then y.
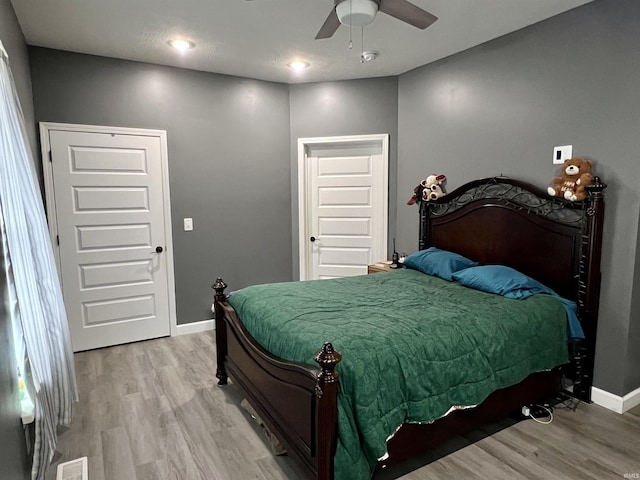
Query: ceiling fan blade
{"type": "Point", "coordinates": [330, 25]}
{"type": "Point", "coordinates": [408, 13]}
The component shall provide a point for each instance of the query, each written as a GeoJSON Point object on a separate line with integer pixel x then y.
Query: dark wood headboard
{"type": "Point", "coordinates": [500, 221]}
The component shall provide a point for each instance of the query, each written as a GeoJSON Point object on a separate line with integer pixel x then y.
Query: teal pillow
{"type": "Point", "coordinates": [500, 280]}
{"type": "Point", "coordinates": [510, 283]}
{"type": "Point", "coordinates": [440, 263]}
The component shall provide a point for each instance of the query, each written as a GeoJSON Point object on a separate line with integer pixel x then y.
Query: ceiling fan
{"type": "Point", "coordinates": [358, 13]}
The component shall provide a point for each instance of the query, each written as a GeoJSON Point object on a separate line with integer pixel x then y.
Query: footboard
{"type": "Point", "coordinates": [296, 401]}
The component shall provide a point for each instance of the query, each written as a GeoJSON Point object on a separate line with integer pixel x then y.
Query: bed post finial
{"type": "Point", "coordinates": [219, 286]}
{"type": "Point", "coordinates": [327, 413]}
{"type": "Point", "coordinates": [327, 358]}
{"type": "Point", "coordinates": [596, 187]}
{"type": "Point", "coordinates": [221, 330]}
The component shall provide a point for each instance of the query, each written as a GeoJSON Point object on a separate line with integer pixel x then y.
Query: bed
{"type": "Point", "coordinates": [496, 221]}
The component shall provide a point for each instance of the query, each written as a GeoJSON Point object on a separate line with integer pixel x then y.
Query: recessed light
{"type": "Point", "coordinates": [180, 44]}
{"type": "Point", "coordinates": [298, 65]}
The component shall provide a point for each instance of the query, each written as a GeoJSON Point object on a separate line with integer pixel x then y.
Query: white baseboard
{"type": "Point", "coordinates": [195, 327]}
{"type": "Point", "coordinates": [614, 402]}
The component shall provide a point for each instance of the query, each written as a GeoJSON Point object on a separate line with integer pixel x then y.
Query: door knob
{"type": "Point", "coordinates": [313, 239]}
{"type": "Point", "coordinates": [158, 250]}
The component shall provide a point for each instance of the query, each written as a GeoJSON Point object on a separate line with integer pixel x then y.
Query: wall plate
{"type": "Point", "coordinates": [560, 154]}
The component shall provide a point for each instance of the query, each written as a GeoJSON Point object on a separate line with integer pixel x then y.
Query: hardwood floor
{"type": "Point", "coordinates": [153, 411]}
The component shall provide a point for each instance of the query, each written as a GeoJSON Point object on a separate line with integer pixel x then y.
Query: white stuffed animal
{"type": "Point", "coordinates": [432, 187]}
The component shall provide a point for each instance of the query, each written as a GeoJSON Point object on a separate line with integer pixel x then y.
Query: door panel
{"type": "Point", "coordinates": [341, 197]}
{"type": "Point", "coordinates": [115, 274]}
{"type": "Point", "coordinates": [121, 310]}
{"type": "Point", "coordinates": [110, 216]}
{"type": "Point", "coordinates": [114, 199]}
{"type": "Point", "coordinates": [114, 236]}
{"type": "Point", "coordinates": [345, 226]}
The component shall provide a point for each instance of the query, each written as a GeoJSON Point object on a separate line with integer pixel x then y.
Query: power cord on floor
{"type": "Point", "coordinates": [548, 410]}
{"type": "Point", "coordinates": [536, 411]}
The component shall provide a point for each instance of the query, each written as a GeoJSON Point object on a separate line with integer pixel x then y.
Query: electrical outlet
{"type": "Point", "coordinates": [560, 154]}
{"type": "Point", "coordinates": [188, 224]}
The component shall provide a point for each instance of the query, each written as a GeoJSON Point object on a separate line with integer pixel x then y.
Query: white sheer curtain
{"type": "Point", "coordinates": [40, 307]}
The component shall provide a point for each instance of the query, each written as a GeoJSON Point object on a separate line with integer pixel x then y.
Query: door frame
{"type": "Point", "coordinates": [303, 187]}
{"type": "Point", "coordinates": [47, 168]}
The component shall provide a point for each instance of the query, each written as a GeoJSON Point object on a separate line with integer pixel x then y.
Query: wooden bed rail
{"type": "Point", "coordinates": [280, 390]}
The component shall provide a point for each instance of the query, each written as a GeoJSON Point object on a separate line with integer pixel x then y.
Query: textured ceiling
{"type": "Point", "coordinates": [256, 39]}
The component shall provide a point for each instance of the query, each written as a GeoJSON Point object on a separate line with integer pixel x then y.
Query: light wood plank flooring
{"type": "Point", "coordinates": [153, 411]}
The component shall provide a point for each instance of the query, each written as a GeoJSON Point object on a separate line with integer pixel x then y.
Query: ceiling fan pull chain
{"type": "Point", "coordinates": [350, 26]}
{"type": "Point", "coordinates": [362, 46]}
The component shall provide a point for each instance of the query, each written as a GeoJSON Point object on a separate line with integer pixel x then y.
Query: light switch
{"type": "Point", "coordinates": [560, 154]}
{"type": "Point", "coordinates": [188, 224]}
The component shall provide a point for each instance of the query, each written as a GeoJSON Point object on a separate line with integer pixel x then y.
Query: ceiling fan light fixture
{"type": "Point", "coordinates": [369, 56]}
{"type": "Point", "coordinates": [356, 13]}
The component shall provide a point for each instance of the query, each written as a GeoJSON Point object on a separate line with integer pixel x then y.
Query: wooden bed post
{"type": "Point", "coordinates": [327, 412]}
{"type": "Point", "coordinates": [221, 330]}
{"type": "Point", "coordinates": [589, 289]}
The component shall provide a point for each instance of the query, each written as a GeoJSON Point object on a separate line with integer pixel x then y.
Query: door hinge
{"type": "Point", "coordinates": [58, 239]}
{"type": "Point", "coordinates": [50, 157]}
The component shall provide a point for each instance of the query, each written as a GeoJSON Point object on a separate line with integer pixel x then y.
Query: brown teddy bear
{"type": "Point", "coordinates": [576, 173]}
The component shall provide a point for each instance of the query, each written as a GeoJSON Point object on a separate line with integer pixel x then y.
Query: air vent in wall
{"type": "Point", "coordinates": [73, 470]}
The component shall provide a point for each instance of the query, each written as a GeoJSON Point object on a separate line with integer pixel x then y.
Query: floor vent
{"type": "Point", "coordinates": [73, 470]}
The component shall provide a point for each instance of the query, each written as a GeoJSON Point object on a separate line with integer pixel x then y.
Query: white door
{"type": "Point", "coordinates": [110, 214]}
{"type": "Point", "coordinates": [343, 205]}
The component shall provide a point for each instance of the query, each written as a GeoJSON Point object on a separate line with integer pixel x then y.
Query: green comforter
{"type": "Point", "coordinates": [413, 346]}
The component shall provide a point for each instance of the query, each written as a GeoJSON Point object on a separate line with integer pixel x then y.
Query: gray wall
{"type": "Point", "coordinates": [13, 451]}
{"type": "Point", "coordinates": [228, 142]}
{"type": "Point", "coordinates": [502, 107]}
{"type": "Point", "coordinates": [356, 107]}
